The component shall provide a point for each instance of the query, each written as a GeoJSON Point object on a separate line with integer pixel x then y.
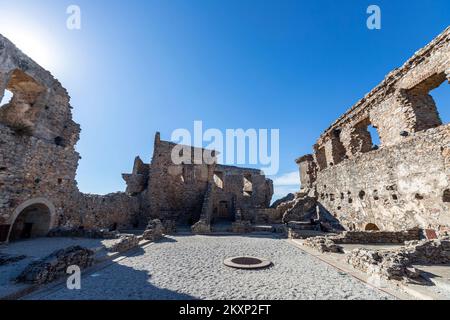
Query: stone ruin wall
{"type": "Point", "coordinates": [188, 192]}
{"type": "Point", "coordinates": [38, 160]}
{"type": "Point", "coordinates": [175, 192]}
{"type": "Point", "coordinates": [404, 182]}
{"type": "Point", "coordinates": [246, 193]}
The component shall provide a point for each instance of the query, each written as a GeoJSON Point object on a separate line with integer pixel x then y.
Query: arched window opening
{"type": "Point", "coordinates": [372, 227]}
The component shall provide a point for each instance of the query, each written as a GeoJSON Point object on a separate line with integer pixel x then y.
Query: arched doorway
{"type": "Point", "coordinates": [372, 227]}
{"type": "Point", "coordinates": [32, 219]}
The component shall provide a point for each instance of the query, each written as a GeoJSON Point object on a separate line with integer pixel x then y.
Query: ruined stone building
{"type": "Point", "coordinates": [400, 184]}
{"type": "Point", "coordinates": [189, 192]}
{"type": "Point", "coordinates": [38, 163]}
{"type": "Point", "coordinates": [405, 181]}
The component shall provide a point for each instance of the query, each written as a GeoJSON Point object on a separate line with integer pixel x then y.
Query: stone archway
{"type": "Point", "coordinates": [33, 218]}
{"type": "Point", "coordinates": [371, 227]}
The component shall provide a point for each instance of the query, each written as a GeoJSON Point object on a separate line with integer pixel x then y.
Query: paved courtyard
{"type": "Point", "coordinates": [191, 267]}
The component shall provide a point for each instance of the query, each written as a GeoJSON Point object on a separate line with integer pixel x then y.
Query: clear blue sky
{"type": "Point", "coordinates": [137, 67]}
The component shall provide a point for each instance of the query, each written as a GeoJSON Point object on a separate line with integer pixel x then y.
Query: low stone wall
{"type": "Point", "coordinates": [330, 243]}
{"type": "Point", "coordinates": [55, 265]}
{"type": "Point", "coordinates": [362, 237]}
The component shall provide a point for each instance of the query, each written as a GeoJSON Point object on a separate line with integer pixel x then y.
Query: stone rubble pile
{"type": "Point", "coordinates": [299, 229]}
{"type": "Point", "coordinates": [170, 226]}
{"type": "Point", "coordinates": [55, 265]}
{"type": "Point", "coordinates": [125, 243]}
{"type": "Point", "coordinates": [323, 244]}
{"type": "Point", "coordinates": [154, 231]}
{"type": "Point", "coordinates": [201, 227]}
{"type": "Point", "coordinates": [390, 265]}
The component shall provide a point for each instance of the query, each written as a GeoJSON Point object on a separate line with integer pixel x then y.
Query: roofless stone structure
{"type": "Point", "coordinates": [405, 181]}
{"type": "Point", "coordinates": [347, 183]}
{"type": "Point", "coordinates": [38, 163]}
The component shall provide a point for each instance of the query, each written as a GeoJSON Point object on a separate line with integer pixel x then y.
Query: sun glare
{"type": "Point", "coordinates": [30, 40]}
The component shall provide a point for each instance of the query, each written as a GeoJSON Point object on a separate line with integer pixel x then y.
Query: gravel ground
{"type": "Point", "coordinates": [191, 267]}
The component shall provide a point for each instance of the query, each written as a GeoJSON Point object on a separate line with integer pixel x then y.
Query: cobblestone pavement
{"type": "Point", "coordinates": [191, 267]}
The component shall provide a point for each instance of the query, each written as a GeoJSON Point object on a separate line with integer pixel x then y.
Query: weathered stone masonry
{"type": "Point", "coordinates": [38, 160]}
{"type": "Point", "coordinates": [38, 163]}
{"type": "Point", "coordinates": [404, 182]}
{"type": "Point", "coordinates": [188, 192]}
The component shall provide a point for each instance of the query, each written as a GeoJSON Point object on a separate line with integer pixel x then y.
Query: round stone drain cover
{"type": "Point", "coordinates": [247, 263]}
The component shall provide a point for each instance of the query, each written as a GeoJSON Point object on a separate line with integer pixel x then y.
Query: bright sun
{"type": "Point", "coordinates": [30, 40]}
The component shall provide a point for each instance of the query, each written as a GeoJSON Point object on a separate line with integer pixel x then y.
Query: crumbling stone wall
{"type": "Point", "coordinates": [244, 190]}
{"type": "Point", "coordinates": [38, 160]}
{"type": "Point", "coordinates": [115, 211]}
{"type": "Point", "coordinates": [404, 182]}
{"type": "Point", "coordinates": [38, 165]}
{"type": "Point", "coordinates": [169, 191]}
{"type": "Point", "coordinates": [193, 191]}
{"type": "Point", "coordinates": [37, 138]}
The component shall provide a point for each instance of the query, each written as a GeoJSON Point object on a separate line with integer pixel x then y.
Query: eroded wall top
{"type": "Point", "coordinates": [399, 107]}
{"type": "Point", "coordinates": [40, 105]}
